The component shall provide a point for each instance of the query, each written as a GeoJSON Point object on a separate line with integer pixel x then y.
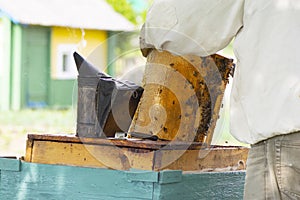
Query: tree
{"type": "Point", "coordinates": [124, 8]}
{"type": "Point", "coordinates": [123, 42]}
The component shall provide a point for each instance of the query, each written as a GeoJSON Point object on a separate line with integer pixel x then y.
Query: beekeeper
{"type": "Point", "coordinates": [265, 98]}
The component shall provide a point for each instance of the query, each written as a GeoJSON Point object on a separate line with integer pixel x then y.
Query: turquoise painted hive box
{"type": "Point", "coordinates": [68, 167]}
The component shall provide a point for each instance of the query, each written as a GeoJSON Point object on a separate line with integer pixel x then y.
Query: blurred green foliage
{"type": "Point", "coordinates": [124, 8]}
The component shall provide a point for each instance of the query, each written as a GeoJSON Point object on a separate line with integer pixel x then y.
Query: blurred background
{"type": "Point", "coordinates": [38, 75]}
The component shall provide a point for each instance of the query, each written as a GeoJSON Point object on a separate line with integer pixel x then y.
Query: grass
{"type": "Point", "coordinates": [14, 127]}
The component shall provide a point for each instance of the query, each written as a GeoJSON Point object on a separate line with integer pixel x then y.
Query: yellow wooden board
{"type": "Point", "coordinates": [125, 155]}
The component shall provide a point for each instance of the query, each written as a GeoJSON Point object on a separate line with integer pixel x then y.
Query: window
{"type": "Point", "coordinates": [66, 68]}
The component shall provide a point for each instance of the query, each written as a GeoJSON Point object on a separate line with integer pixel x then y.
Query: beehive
{"type": "Point", "coordinates": [182, 96]}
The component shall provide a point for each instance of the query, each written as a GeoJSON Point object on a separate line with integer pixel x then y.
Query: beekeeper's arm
{"type": "Point", "coordinates": [199, 27]}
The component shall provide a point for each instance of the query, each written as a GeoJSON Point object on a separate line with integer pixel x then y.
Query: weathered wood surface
{"type": "Point", "coordinates": [40, 181]}
{"type": "Point", "coordinates": [124, 154]}
{"type": "Point", "coordinates": [182, 96]}
{"type": "Point", "coordinates": [203, 186]}
{"type": "Point", "coordinates": [37, 181]}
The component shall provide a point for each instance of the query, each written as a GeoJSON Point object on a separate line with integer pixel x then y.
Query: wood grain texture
{"type": "Point", "coordinates": [144, 144]}
{"type": "Point", "coordinates": [124, 155]}
{"type": "Point", "coordinates": [49, 152]}
{"type": "Point", "coordinates": [214, 159]}
{"type": "Point", "coordinates": [9, 164]}
{"type": "Point", "coordinates": [29, 146]}
{"type": "Point", "coordinates": [40, 181]}
{"type": "Point", "coordinates": [203, 186]}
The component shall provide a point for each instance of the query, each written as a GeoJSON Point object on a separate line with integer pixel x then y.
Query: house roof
{"type": "Point", "coordinates": [88, 14]}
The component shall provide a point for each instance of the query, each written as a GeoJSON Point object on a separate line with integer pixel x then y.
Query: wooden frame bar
{"type": "Point", "coordinates": [137, 154]}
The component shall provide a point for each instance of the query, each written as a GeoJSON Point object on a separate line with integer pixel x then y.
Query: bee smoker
{"type": "Point", "coordinates": [105, 105]}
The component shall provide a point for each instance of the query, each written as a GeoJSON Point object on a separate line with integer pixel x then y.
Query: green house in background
{"type": "Point", "coordinates": [37, 39]}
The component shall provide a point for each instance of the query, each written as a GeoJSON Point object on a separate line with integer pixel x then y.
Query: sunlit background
{"type": "Point", "coordinates": [38, 74]}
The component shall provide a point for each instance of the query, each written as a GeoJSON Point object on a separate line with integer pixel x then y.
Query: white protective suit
{"type": "Point", "coordinates": [265, 98]}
